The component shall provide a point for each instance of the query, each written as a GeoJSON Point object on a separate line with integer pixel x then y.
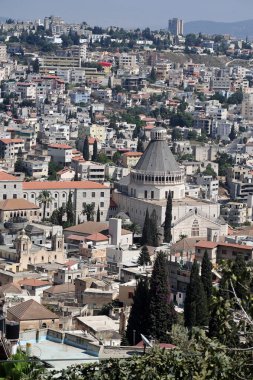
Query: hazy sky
{"type": "Point", "coordinates": [129, 13]}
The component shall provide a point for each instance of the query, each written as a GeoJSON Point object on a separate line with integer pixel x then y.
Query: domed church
{"type": "Point", "coordinates": [148, 185]}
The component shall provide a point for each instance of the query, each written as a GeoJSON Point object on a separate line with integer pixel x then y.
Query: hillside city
{"type": "Point", "coordinates": [126, 199]}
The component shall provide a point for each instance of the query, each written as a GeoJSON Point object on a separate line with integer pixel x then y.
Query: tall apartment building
{"type": "Point", "coordinates": [247, 106]}
{"type": "Point", "coordinates": [3, 53]}
{"type": "Point", "coordinates": [176, 26]}
{"type": "Point", "coordinates": [127, 60]}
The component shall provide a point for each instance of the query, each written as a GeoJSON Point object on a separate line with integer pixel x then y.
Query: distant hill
{"type": "Point", "coordinates": [240, 29]}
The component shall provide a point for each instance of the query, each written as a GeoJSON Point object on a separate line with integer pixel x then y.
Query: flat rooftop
{"type": "Point", "coordinates": [64, 355]}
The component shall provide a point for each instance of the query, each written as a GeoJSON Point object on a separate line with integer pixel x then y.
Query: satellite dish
{"type": "Point", "coordinates": [146, 341]}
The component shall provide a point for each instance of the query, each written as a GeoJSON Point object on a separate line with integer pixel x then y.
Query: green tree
{"type": "Point", "coordinates": [154, 229]}
{"type": "Point", "coordinates": [21, 368]}
{"type": "Point", "coordinates": [44, 198]}
{"type": "Point", "coordinates": [134, 228]}
{"type": "Point", "coordinates": [86, 152]}
{"type": "Point", "coordinates": [162, 314]}
{"type": "Point", "coordinates": [146, 231]}
{"type": "Point", "coordinates": [140, 146]}
{"type": "Point", "coordinates": [98, 214]}
{"type": "Point", "coordinates": [225, 161]}
{"type": "Point", "coordinates": [232, 134]}
{"type": "Point", "coordinates": [36, 66]}
{"type": "Point", "coordinates": [144, 258]}
{"type": "Point", "coordinates": [152, 77]}
{"type": "Point", "coordinates": [195, 305]}
{"type": "Point", "coordinates": [209, 171]}
{"type": "Point", "coordinates": [168, 219]}
{"type": "Point", "coordinates": [138, 321]}
{"type": "Point", "coordinates": [57, 217]}
{"type": "Point", "coordinates": [70, 210]}
{"type": "Point", "coordinates": [236, 98]}
{"type": "Point", "coordinates": [95, 151]}
{"type": "Point", "coordinates": [176, 135]}
{"type": "Point", "coordinates": [76, 177]}
{"type": "Point", "coordinates": [102, 158]}
{"type": "Point", "coordinates": [89, 211]}
{"type": "Point", "coordinates": [19, 164]}
{"type": "Point", "coordinates": [206, 276]}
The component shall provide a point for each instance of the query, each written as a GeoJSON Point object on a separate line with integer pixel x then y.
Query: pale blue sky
{"type": "Point", "coordinates": [129, 13]}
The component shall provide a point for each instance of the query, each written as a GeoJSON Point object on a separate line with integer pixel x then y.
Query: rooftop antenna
{"type": "Point", "coordinates": [146, 342]}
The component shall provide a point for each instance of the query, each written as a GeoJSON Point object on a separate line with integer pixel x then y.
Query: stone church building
{"type": "Point", "coordinates": [148, 185]}
{"type": "Point", "coordinates": [17, 258]}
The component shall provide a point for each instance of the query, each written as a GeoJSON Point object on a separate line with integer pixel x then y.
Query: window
{"type": "Point", "coordinates": [152, 194]}
{"type": "Point", "coordinates": [15, 186]}
{"type": "Point", "coordinates": [55, 205]}
{"type": "Point", "coordinates": [32, 196]}
{"type": "Point", "coordinates": [15, 196]}
{"type": "Point", "coordinates": [102, 194]}
{"type": "Point", "coordinates": [56, 195]}
{"type": "Point", "coordinates": [4, 186]}
{"type": "Point", "coordinates": [195, 228]}
{"type": "Point", "coordinates": [63, 195]}
{"type": "Point", "coordinates": [145, 194]}
{"type": "Point", "coordinates": [84, 194]}
{"type": "Point", "coordinates": [4, 196]}
{"type": "Point", "coordinates": [102, 204]}
{"type": "Point", "coordinates": [130, 295]}
{"type": "Point", "coordinates": [93, 194]}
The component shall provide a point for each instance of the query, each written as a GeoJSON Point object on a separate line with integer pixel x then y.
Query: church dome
{"type": "Point", "coordinates": [158, 158]}
{"type": "Point", "coordinates": [22, 236]}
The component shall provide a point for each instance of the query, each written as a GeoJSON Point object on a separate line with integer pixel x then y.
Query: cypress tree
{"type": "Point", "coordinates": [95, 151]}
{"type": "Point", "coordinates": [140, 146]}
{"type": "Point", "coordinates": [206, 276]}
{"type": "Point", "coordinates": [86, 152]}
{"type": "Point", "coordinates": [146, 231]}
{"type": "Point", "coordinates": [76, 177]}
{"type": "Point", "coordinates": [154, 229]}
{"type": "Point", "coordinates": [162, 314]}
{"type": "Point", "coordinates": [144, 258]}
{"type": "Point", "coordinates": [69, 210]}
{"type": "Point", "coordinates": [168, 219]}
{"type": "Point", "coordinates": [195, 305]}
{"type": "Point", "coordinates": [98, 214]}
{"type": "Point", "coordinates": [19, 164]}
{"type": "Point", "coordinates": [241, 281]}
{"type": "Point", "coordinates": [232, 134]}
{"type": "Point", "coordinates": [138, 320]}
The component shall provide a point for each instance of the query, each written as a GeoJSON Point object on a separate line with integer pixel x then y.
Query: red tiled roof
{"type": "Point", "coordinates": [133, 154]}
{"type": "Point", "coordinates": [97, 237]}
{"type": "Point", "coordinates": [206, 244]}
{"type": "Point", "coordinates": [54, 185]}
{"type": "Point", "coordinates": [235, 245]}
{"type": "Point", "coordinates": [7, 177]}
{"type": "Point", "coordinates": [17, 204]}
{"type": "Point", "coordinates": [31, 310]}
{"type": "Point", "coordinates": [33, 282]}
{"type": "Point", "coordinates": [10, 141]}
{"type": "Point", "coordinates": [59, 146]}
{"type": "Point", "coordinates": [75, 237]}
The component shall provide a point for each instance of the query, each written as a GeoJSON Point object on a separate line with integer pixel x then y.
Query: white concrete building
{"type": "Point", "coordinates": [60, 153]}
{"type": "Point", "coordinates": [83, 192]}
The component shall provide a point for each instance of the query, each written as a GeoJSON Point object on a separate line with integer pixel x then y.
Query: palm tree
{"type": "Point", "coordinates": [89, 211]}
{"type": "Point", "coordinates": [135, 229]}
{"type": "Point", "coordinates": [44, 198]}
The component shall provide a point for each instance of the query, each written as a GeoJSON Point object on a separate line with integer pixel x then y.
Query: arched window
{"type": "Point", "coordinates": [195, 228]}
